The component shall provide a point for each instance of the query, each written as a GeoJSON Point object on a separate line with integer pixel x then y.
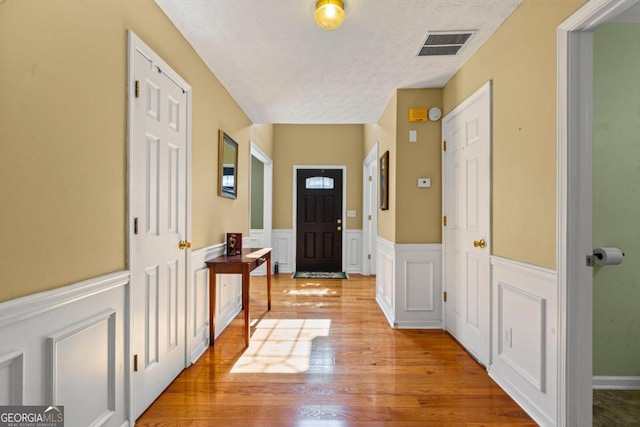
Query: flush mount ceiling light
{"type": "Point", "coordinates": [329, 14]}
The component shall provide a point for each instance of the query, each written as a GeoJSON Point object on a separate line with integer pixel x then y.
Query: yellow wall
{"type": "Point", "coordinates": [520, 58]}
{"type": "Point", "coordinates": [63, 116]}
{"type": "Point", "coordinates": [316, 145]}
{"type": "Point", "coordinates": [418, 209]}
{"type": "Point", "coordinates": [386, 135]}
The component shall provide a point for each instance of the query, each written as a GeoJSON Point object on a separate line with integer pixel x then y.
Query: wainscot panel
{"type": "Point", "coordinates": [353, 251]}
{"type": "Point", "coordinates": [409, 284]}
{"type": "Point", "coordinates": [283, 245]}
{"type": "Point", "coordinates": [228, 299]}
{"type": "Point", "coordinates": [68, 347]}
{"type": "Point", "coordinates": [385, 279]}
{"type": "Point", "coordinates": [525, 339]}
{"type": "Point", "coordinates": [418, 286]}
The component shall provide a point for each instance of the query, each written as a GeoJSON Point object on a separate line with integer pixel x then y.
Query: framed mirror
{"type": "Point", "coordinates": [227, 166]}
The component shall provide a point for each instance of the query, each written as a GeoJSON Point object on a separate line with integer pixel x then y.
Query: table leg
{"type": "Point", "coordinates": [212, 305]}
{"type": "Point", "coordinates": [245, 301]}
{"type": "Point", "coordinates": [269, 282]}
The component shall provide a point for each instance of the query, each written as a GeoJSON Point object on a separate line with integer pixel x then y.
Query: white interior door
{"type": "Point", "coordinates": [466, 235]}
{"type": "Point", "coordinates": [158, 162]}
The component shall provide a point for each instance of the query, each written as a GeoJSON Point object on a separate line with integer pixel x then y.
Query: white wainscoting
{"type": "Point", "coordinates": [409, 284]}
{"type": "Point", "coordinates": [352, 251]}
{"type": "Point", "coordinates": [258, 239]}
{"type": "Point", "coordinates": [228, 299]}
{"type": "Point", "coordinates": [284, 247]}
{"type": "Point", "coordinates": [524, 358]}
{"type": "Point", "coordinates": [68, 347]}
{"type": "Point", "coordinates": [386, 279]}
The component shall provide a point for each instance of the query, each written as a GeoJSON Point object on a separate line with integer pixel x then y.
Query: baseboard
{"type": "Point", "coordinates": [520, 398]}
{"type": "Point", "coordinates": [386, 310]}
{"type": "Point", "coordinates": [426, 324]}
{"type": "Point", "coordinates": [616, 383]}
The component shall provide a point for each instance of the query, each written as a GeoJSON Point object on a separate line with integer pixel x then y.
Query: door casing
{"type": "Point", "coordinates": [574, 202]}
{"type": "Point", "coordinates": [370, 207]}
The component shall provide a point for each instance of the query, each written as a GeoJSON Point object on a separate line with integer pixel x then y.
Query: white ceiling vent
{"type": "Point", "coordinates": [444, 43]}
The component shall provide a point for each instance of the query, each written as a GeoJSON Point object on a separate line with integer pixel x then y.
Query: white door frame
{"type": "Point", "coordinates": [369, 238]}
{"type": "Point", "coordinates": [295, 207]}
{"type": "Point", "coordinates": [575, 186]}
{"type": "Point", "coordinates": [267, 214]}
{"type": "Point", "coordinates": [257, 152]}
{"type": "Point", "coordinates": [135, 44]}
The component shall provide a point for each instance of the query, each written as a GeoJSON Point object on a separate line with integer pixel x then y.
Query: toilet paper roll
{"type": "Point", "coordinates": [608, 256]}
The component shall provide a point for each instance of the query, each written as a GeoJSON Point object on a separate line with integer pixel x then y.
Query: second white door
{"type": "Point", "coordinates": [466, 235]}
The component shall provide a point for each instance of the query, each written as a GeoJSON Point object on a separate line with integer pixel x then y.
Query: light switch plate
{"type": "Point", "coordinates": [413, 136]}
{"type": "Point", "coordinates": [351, 214]}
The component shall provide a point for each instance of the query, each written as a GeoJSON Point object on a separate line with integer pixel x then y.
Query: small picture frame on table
{"type": "Point", "coordinates": [234, 244]}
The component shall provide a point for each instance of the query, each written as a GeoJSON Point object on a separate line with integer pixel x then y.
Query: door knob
{"type": "Point", "coordinates": [480, 244]}
{"type": "Point", "coordinates": [339, 221]}
{"type": "Point", "coordinates": [184, 245]}
{"type": "Point", "coordinates": [339, 228]}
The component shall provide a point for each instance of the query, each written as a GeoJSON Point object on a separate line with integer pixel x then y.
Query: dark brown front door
{"type": "Point", "coordinates": [319, 220]}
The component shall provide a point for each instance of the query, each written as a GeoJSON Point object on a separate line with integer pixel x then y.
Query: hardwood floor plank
{"type": "Point", "coordinates": [325, 356]}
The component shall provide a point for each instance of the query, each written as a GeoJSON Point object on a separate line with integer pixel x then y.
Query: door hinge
{"type": "Point", "coordinates": [444, 220]}
{"type": "Point", "coordinates": [135, 225]}
{"type": "Point", "coordinates": [444, 296]}
{"type": "Point", "coordinates": [370, 178]}
{"type": "Point", "coordinates": [444, 145]}
{"type": "Point", "coordinates": [137, 88]}
{"type": "Point", "coordinates": [135, 363]}
{"type": "Point", "coordinates": [369, 256]}
{"type": "Point", "coordinates": [369, 217]}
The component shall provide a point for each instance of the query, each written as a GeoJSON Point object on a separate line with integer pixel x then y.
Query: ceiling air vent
{"type": "Point", "coordinates": [444, 43]}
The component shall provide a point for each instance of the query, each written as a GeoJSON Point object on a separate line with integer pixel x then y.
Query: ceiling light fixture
{"type": "Point", "coordinates": [329, 14]}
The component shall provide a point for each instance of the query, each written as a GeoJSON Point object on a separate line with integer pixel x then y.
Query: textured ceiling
{"type": "Point", "coordinates": [282, 68]}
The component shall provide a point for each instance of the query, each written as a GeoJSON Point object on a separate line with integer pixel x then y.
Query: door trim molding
{"type": "Point", "coordinates": [367, 236]}
{"type": "Point", "coordinates": [295, 205]}
{"type": "Point", "coordinates": [135, 44]}
{"type": "Point", "coordinates": [267, 226]}
{"type": "Point", "coordinates": [574, 186]}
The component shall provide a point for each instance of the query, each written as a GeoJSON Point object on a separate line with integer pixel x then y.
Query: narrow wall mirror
{"type": "Point", "coordinates": [227, 167]}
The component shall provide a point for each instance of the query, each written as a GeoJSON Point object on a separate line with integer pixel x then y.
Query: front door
{"type": "Point", "coordinates": [467, 134]}
{"type": "Point", "coordinates": [319, 221]}
{"type": "Point", "coordinates": [158, 162]}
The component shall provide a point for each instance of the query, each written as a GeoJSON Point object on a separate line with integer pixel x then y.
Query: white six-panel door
{"type": "Point", "coordinates": [158, 168]}
{"type": "Point", "coordinates": [466, 236]}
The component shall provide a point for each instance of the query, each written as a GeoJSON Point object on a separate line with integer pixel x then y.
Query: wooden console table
{"type": "Point", "coordinates": [237, 264]}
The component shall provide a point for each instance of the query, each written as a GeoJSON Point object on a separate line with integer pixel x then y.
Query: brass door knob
{"type": "Point", "coordinates": [480, 244]}
{"type": "Point", "coordinates": [184, 245]}
{"type": "Point", "coordinates": [339, 228]}
{"type": "Point", "coordinates": [339, 221]}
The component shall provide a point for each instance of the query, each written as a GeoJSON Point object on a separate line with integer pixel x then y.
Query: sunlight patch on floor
{"type": "Point", "coordinates": [281, 346]}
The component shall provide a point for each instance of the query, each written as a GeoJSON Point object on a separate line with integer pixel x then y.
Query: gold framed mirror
{"type": "Point", "coordinates": [227, 166]}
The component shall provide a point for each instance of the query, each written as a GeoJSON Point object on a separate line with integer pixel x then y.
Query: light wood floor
{"type": "Point", "coordinates": [325, 356]}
